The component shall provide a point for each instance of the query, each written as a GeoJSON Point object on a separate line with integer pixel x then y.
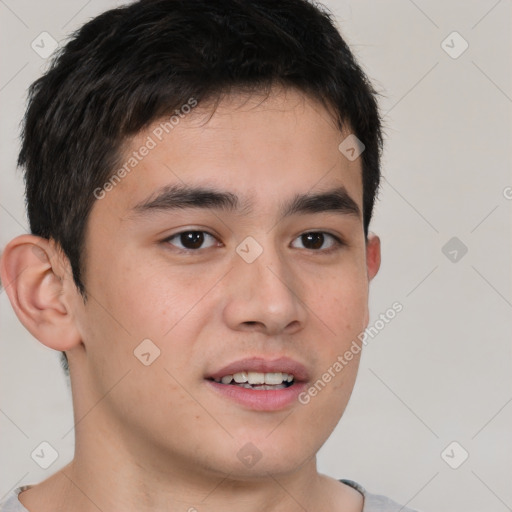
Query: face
{"type": "Point", "coordinates": [201, 251]}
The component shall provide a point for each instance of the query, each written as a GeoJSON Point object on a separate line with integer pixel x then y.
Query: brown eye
{"type": "Point", "coordinates": [191, 240]}
{"type": "Point", "coordinates": [314, 240]}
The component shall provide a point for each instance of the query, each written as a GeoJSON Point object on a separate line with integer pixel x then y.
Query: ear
{"type": "Point", "coordinates": [38, 282]}
{"type": "Point", "coordinates": [372, 255]}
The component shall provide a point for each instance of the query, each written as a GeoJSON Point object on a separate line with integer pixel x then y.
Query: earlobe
{"type": "Point", "coordinates": [372, 255]}
{"type": "Point", "coordinates": [34, 279]}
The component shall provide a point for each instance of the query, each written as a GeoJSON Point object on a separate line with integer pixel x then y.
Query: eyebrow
{"type": "Point", "coordinates": [179, 196]}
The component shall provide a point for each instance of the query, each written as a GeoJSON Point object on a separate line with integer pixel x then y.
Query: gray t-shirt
{"type": "Point", "coordinates": [372, 502]}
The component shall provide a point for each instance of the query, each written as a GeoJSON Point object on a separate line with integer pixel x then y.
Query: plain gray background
{"type": "Point", "coordinates": [440, 371]}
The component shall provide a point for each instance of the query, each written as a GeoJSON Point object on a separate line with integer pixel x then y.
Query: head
{"type": "Point", "coordinates": [185, 186]}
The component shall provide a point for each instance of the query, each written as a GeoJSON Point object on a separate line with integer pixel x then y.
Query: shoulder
{"type": "Point", "coordinates": [11, 503]}
{"type": "Point", "coordinates": [376, 502]}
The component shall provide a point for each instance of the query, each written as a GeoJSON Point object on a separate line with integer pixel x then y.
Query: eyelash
{"type": "Point", "coordinates": [338, 242]}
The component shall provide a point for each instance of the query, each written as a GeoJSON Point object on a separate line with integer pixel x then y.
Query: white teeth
{"type": "Point", "coordinates": [257, 378]}
{"type": "Point", "coordinates": [240, 377]}
{"type": "Point", "coordinates": [274, 378]}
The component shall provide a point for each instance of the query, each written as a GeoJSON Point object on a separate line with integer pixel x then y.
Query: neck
{"type": "Point", "coordinates": [105, 477]}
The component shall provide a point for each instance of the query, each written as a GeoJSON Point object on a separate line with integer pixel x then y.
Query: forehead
{"type": "Point", "coordinates": [257, 148]}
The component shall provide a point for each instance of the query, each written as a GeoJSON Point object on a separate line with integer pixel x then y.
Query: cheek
{"type": "Point", "coordinates": [342, 305]}
{"type": "Point", "coordinates": [145, 300]}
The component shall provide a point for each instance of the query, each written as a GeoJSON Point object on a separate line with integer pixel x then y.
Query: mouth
{"type": "Point", "coordinates": [257, 380]}
{"type": "Point", "coordinates": [260, 384]}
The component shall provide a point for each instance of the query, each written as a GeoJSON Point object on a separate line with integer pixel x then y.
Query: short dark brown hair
{"type": "Point", "coordinates": [133, 65]}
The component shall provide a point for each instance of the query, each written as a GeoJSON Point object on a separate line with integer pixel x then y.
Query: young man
{"type": "Point", "coordinates": [200, 178]}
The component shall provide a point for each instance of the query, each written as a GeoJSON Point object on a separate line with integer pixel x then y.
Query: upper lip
{"type": "Point", "coordinates": [262, 365]}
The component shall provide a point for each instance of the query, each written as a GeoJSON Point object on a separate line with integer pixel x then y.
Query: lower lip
{"type": "Point", "coordinates": [260, 400]}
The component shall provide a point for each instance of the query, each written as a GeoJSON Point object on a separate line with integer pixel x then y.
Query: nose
{"type": "Point", "coordinates": [264, 296]}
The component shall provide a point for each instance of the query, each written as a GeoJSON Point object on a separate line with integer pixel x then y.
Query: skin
{"type": "Point", "coordinates": [156, 437]}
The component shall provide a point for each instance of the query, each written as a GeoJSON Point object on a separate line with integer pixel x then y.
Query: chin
{"type": "Point", "coordinates": [275, 452]}
{"type": "Point", "coordinates": [263, 468]}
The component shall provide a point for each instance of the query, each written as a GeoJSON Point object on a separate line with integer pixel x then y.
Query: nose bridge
{"type": "Point", "coordinates": [264, 292]}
